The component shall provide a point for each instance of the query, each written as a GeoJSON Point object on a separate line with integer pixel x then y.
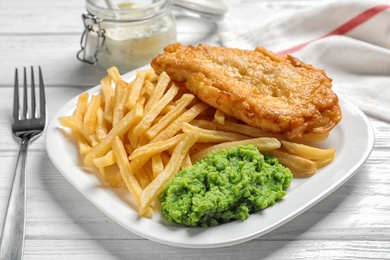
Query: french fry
{"type": "Point", "coordinates": [165, 157]}
{"type": "Point", "coordinates": [156, 186]}
{"type": "Point", "coordinates": [149, 88]}
{"type": "Point", "coordinates": [90, 117]}
{"type": "Point", "coordinates": [157, 165]}
{"type": "Point", "coordinates": [121, 92]}
{"type": "Point", "coordinates": [125, 170]}
{"type": "Point", "coordinates": [119, 130]}
{"type": "Point", "coordinates": [197, 147]}
{"type": "Point", "coordinates": [205, 124]}
{"type": "Point", "coordinates": [73, 123]}
{"type": "Point", "coordinates": [170, 116]}
{"type": "Point", "coordinates": [108, 172]}
{"type": "Point", "coordinates": [176, 125]}
{"type": "Point", "coordinates": [161, 86]}
{"type": "Point", "coordinates": [219, 117]}
{"type": "Point", "coordinates": [81, 107]}
{"type": "Point", "coordinates": [142, 177]}
{"type": "Point", "coordinates": [142, 100]}
{"type": "Point", "coordinates": [148, 171]}
{"type": "Point", "coordinates": [213, 136]}
{"type": "Point", "coordinates": [84, 141]}
{"type": "Point", "coordinates": [186, 162]}
{"type": "Point", "coordinates": [239, 127]}
{"type": "Point", "coordinates": [135, 90]}
{"type": "Point", "coordinates": [308, 152]}
{"type": "Point", "coordinates": [263, 144]}
{"type": "Point", "coordinates": [94, 140]}
{"type": "Point", "coordinates": [113, 72]}
{"type": "Point", "coordinates": [106, 160]}
{"type": "Point", "coordinates": [167, 109]}
{"type": "Point", "coordinates": [300, 167]}
{"type": "Point", "coordinates": [150, 149]}
{"type": "Point", "coordinates": [101, 127]}
{"type": "Point", "coordinates": [107, 98]}
{"type": "Point", "coordinates": [138, 163]}
{"type": "Point", "coordinates": [82, 144]}
{"type": "Point", "coordinates": [323, 163]}
{"type": "Point", "coordinates": [243, 129]}
{"type": "Point", "coordinates": [155, 110]}
{"type": "Point", "coordinates": [151, 75]}
{"type": "Point", "coordinates": [115, 181]}
{"type": "Point", "coordinates": [133, 139]}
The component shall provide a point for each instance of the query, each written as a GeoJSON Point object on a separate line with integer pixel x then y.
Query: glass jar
{"type": "Point", "coordinates": [127, 36]}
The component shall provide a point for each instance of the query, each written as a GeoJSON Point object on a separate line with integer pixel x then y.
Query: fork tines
{"type": "Point", "coordinates": [33, 112]}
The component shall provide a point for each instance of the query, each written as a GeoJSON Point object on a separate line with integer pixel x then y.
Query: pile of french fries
{"type": "Point", "coordinates": [141, 133]}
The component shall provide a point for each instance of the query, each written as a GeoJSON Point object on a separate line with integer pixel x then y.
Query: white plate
{"type": "Point", "coordinates": [353, 138]}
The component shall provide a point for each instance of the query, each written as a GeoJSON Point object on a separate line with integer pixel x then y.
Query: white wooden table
{"type": "Point", "coordinates": [353, 222]}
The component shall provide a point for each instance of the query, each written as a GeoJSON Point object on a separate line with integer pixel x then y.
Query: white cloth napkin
{"type": "Point", "coordinates": [349, 40]}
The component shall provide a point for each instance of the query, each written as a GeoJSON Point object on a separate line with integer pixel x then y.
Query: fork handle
{"type": "Point", "coordinates": [12, 242]}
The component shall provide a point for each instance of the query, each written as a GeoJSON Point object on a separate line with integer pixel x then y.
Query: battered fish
{"type": "Point", "coordinates": [278, 94]}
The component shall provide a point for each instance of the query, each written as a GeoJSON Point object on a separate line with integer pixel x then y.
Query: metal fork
{"type": "Point", "coordinates": [27, 125]}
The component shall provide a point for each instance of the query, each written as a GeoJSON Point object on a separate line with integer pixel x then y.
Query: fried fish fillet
{"type": "Point", "coordinates": [278, 94]}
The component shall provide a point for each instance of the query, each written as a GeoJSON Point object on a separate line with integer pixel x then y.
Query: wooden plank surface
{"type": "Point", "coordinates": [350, 223]}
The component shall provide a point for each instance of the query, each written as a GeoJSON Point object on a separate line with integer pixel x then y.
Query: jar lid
{"type": "Point", "coordinates": [204, 9]}
{"type": "Point", "coordinates": [137, 10]}
{"type": "Point", "coordinates": [134, 10]}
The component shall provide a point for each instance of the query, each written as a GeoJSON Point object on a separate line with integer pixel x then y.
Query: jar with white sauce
{"type": "Point", "coordinates": [129, 34]}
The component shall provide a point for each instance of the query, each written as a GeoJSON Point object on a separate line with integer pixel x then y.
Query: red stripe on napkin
{"type": "Point", "coordinates": [343, 29]}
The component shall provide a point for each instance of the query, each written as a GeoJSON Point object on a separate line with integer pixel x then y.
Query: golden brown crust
{"type": "Point", "coordinates": [279, 94]}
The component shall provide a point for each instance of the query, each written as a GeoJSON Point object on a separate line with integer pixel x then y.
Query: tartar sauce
{"type": "Point", "coordinates": [127, 37]}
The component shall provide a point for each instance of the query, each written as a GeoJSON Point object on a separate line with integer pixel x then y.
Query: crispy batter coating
{"type": "Point", "coordinates": [278, 94]}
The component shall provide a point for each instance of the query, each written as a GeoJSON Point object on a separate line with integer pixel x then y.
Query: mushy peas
{"type": "Point", "coordinates": [224, 186]}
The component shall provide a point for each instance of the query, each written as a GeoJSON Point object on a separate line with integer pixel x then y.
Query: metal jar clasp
{"type": "Point", "coordinates": [92, 32]}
